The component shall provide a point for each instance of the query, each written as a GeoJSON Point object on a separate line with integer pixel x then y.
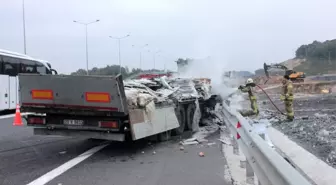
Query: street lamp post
{"type": "Point", "coordinates": [86, 42]}
{"type": "Point", "coordinates": [154, 57]}
{"type": "Point", "coordinates": [24, 27]}
{"type": "Point", "coordinates": [141, 48]}
{"type": "Point", "coordinates": [119, 55]}
{"type": "Point", "coordinates": [164, 63]}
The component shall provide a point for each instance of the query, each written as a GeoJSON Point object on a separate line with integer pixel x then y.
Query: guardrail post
{"type": "Point", "coordinates": [234, 141]}
{"type": "Point", "coordinates": [262, 135]}
{"type": "Point", "coordinates": [268, 166]}
{"type": "Point", "coordinates": [249, 173]}
{"type": "Point", "coordinates": [235, 146]}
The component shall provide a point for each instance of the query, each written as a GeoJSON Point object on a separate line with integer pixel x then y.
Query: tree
{"type": "Point", "coordinates": [301, 52]}
{"type": "Point", "coordinates": [318, 50]}
{"type": "Point", "coordinates": [113, 71]}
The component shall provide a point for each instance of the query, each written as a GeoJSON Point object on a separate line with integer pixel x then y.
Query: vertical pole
{"type": "Point", "coordinates": [87, 52]}
{"type": "Point", "coordinates": [249, 173]}
{"type": "Point", "coordinates": [24, 27]}
{"type": "Point", "coordinates": [154, 60]}
{"type": "Point", "coordinates": [119, 56]}
{"type": "Point", "coordinates": [140, 60]}
{"type": "Point", "coordinates": [263, 136]}
{"type": "Point", "coordinates": [235, 146]}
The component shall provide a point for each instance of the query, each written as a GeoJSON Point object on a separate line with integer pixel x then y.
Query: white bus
{"type": "Point", "coordinates": [11, 64]}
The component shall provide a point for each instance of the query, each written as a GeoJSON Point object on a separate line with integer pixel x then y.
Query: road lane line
{"type": "Point", "coordinates": [12, 115]}
{"type": "Point", "coordinates": [66, 166]}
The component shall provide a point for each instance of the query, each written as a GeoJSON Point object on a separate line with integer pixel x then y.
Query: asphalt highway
{"type": "Point", "coordinates": [29, 159]}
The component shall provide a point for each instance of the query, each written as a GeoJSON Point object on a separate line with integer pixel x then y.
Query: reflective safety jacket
{"type": "Point", "coordinates": [288, 90]}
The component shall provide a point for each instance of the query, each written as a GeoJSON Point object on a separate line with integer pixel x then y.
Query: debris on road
{"type": "Point", "coordinates": [63, 152]}
{"type": "Point", "coordinates": [199, 137]}
{"type": "Point", "coordinates": [190, 139]}
{"type": "Point", "coordinates": [189, 143]}
{"type": "Point", "coordinates": [201, 154]}
{"type": "Point", "coordinates": [210, 144]}
{"type": "Point", "coordinates": [225, 141]}
{"type": "Point", "coordinates": [202, 140]}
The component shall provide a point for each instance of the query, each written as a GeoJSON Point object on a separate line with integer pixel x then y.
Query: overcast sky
{"type": "Point", "coordinates": [239, 34]}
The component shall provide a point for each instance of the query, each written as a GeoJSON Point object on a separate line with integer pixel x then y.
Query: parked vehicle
{"type": "Point", "coordinates": [11, 64]}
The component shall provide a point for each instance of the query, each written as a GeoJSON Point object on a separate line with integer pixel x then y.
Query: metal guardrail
{"type": "Point", "coordinates": [261, 159]}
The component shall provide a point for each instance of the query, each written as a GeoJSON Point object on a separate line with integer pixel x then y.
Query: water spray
{"type": "Point", "coordinates": [231, 94]}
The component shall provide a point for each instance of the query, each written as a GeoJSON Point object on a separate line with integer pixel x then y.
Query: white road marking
{"type": "Point", "coordinates": [66, 166]}
{"type": "Point", "coordinates": [12, 115]}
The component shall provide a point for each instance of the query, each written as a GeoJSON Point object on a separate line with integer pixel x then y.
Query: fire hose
{"type": "Point", "coordinates": [270, 100]}
{"type": "Point", "coordinates": [267, 97]}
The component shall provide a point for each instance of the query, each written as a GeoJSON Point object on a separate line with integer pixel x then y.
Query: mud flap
{"type": "Point", "coordinates": [181, 117]}
{"type": "Point", "coordinates": [164, 136]}
{"type": "Point", "coordinates": [190, 116]}
{"type": "Point", "coordinates": [196, 117]}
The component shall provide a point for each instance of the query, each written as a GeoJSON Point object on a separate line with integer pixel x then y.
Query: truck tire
{"type": "Point", "coordinates": [181, 117]}
{"type": "Point", "coordinates": [164, 136]}
{"type": "Point", "coordinates": [190, 115]}
{"type": "Point", "coordinates": [128, 137]}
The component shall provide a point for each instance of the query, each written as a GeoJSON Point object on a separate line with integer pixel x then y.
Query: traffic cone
{"type": "Point", "coordinates": [17, 118]}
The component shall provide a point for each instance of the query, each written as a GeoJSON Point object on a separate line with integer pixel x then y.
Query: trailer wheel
{"type": "Point", "coordinates": [164, 136]}
{"type": "Point", "coordinates": [181, 117]}
{"type": "Point", "coordinates": [128, 137]}
{"type": "Point", "coordinates": [190, 115]}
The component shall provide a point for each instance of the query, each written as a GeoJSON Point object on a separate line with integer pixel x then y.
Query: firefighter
{"type": "Point", "coordinates": [248, 88]}
{"type": "Point", "coordinates": [287, 96]}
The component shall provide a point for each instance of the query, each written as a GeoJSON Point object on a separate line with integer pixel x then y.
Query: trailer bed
{"type": "Point", "coordinates": [90, 107]}
{"type": "Point", "coordinates": [67, 94]}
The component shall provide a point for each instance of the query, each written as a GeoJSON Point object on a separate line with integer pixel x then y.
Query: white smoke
{"type": "Point", "coordinates": [210, 68]}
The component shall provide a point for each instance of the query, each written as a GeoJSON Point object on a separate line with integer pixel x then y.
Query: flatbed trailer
{"type": "Point", "coordinates": [91, 107]}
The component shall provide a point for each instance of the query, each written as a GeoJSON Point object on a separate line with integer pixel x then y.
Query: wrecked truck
{"type": "Point", "coordinates": [104, 107]}
{"type": "Point", "coordinates": [192, 98]}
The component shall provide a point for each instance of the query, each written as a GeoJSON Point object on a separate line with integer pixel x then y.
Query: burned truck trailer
{"type": "Point", "coordinates": [106, 107]}
{"type": "Point", "coordinates": [93, 107]}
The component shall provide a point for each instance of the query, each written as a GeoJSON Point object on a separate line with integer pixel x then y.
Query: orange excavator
{"type": "Point", "coordinates": [293, 75]}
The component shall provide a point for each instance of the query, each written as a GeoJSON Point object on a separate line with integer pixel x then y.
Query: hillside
{"type": "Point", "coordinates": [313, 59]}
{"type": "Point", "coordinates": [320, 56]}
